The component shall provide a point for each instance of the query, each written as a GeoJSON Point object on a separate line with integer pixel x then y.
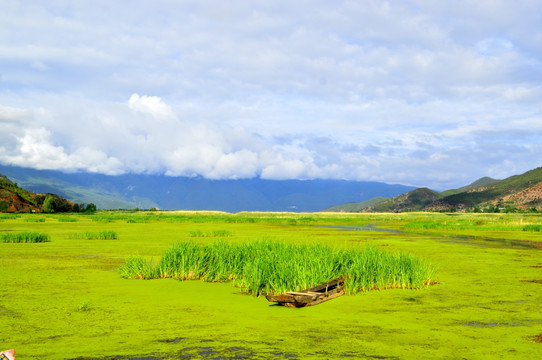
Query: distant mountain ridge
{"type": "Point", "coordinates": [357, 207]}
{"type": "Point", "coordinates": [173, 193]}
{"type": "Point", "coordinates": [413, 200]}
{"type": "Point", "coordinates": [519, 191]}
{"type": "Point", "coordinates": [485, 181]}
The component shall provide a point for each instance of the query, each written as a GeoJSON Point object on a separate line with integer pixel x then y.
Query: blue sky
{"type": "Point", "coordinates": [424, 93]}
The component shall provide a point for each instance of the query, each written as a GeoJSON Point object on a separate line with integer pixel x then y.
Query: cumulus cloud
{"type": "Point", "coordinates": [423, 93]}
{"type": "Point", "coordinates": [151, 105]}
{"type": "Point", "coordinates": [35, 149]}
{"type": "Point", "coordinates": [9, 114]}
{"type": "Point", "coordinates": [122, 143]}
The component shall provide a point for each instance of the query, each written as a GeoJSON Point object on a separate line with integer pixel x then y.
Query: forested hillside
{"type": "Point", "coordinates": [15, 199]}
{"type": "Point", "coordinates": [516, 193]}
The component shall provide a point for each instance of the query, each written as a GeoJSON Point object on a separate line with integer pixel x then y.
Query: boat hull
{"type": "Point", "coordinates": [312, 296]}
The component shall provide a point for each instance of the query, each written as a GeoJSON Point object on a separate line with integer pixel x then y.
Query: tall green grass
{"type": "Point", "coordinates": [67, 219]}
{"type": "Point", "coordinates": [475, 223]}
{"type": "Point", "coordinates": [100, 235]}
{"type": "Point", "coordinates": [135, 267]}
{"type": "Point", "coordinates": [34, 219]}
{"type": "Point", "coordinates": [533, 227]}
{"type": "Point", "coordinates": [266, 267]}
{"type": "Point", "coordinates": [24, 237]}
{"type": "Point", "coordinates": [214, 233]}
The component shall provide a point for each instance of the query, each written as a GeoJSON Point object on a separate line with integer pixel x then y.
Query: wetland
{"type": "Point", "coordinates": [65, 298]}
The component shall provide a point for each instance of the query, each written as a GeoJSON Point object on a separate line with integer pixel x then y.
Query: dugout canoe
{"type": "Point", "coordinates": [7, 355]}
{"type": "Point", "coordinates": [312, 296]}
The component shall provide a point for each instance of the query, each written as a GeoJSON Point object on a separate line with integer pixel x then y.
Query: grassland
{"type": "Point", "coordinates": [66, 299]}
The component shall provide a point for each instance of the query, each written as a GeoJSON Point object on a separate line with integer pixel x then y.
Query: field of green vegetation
{"type": "Point", "coordinates": [66, 292]}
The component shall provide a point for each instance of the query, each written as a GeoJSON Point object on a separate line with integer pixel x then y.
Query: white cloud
{"type": "Point", "coordinates": [95, 161]}
{"type": "Point", "coordinates": [35, 149]}
{"type": "Point", "coordinates": [10, 114]}
{"type": "Point", "coordinates": [388, 91]}
{"type": "Point", "coordinates": [240, 164]}
{"type": "Point", "coordinates": [151, 105]}
{"type": "Point", "coordinates": [283, 169]}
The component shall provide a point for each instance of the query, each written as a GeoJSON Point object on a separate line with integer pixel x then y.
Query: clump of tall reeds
{"type": "Point", "coordinates": [67, 219]}
{"type": "Point", "coordinates": [24, 237]}
{"type": "Point", "coordinates": [214, 233]}
{"type": "Point", "coordinates": [100, 235]}
{"type": "Point", "coordinates": [135, 267]}
{"type": "Point", "coordinates": [266, 267]}
{"type": "Point", "coordinates": [533, 227]}
{"type": "Point", "coordinates": [34, 219]}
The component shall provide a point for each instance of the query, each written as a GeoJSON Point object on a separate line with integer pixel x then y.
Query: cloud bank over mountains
{"type": "Point", "coordinates": [412, 92]}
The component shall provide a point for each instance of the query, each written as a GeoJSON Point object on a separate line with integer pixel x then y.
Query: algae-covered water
{"type": "Point", "coordinates": [65, 299]}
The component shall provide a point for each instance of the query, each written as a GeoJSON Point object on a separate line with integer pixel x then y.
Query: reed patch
{"type": "Point", "coordinates": [67, 219]}
{"type": "Point", "coordinates": [99, 235]}
{"type": "Point", "coordinates": [34, 219]}
{"type": "Point", "coordinates": [213, 233]}
{"type": "Point", "coordinates": [266, 267]}
{"type": "Point", "coordinates": [24, 237]}
{"type": "Point", "coordinates": [533, 227]}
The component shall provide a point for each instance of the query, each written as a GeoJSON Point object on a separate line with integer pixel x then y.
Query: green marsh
{"type": "Point", "coordinates": [66, 299]}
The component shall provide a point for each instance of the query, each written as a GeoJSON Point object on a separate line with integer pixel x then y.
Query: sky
{"type": "Point", "coordinates": [422, 93]}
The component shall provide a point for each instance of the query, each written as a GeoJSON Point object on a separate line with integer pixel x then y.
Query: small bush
{"type": "Point", "coordinates": [4, 205]}
{"type": "Point", "coordinates": [84, 306]}
{"type": "Point", "coordinates": [24, 237]}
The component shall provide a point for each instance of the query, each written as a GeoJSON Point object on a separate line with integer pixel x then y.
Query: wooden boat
{"type": "Point", "coordinates": [7, 355]}
{"type": "Point", "coordinates": [312, 296]}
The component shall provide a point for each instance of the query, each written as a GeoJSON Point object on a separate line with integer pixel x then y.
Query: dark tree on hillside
{"type": "Point", "coordinates": [61, 204]}
{"type": "Point", "coordinates": [91, 208]}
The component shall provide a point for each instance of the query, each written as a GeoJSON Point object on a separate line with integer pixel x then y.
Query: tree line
{"type": "Point", "coordinates": [51, 203]}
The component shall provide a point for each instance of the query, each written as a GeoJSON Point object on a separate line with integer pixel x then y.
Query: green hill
{"type": "Point", "coordinates": [413, 200]}
{"type": "Point", "coordinates": [516, 192]}
{"type": "Point", "coordinates": [15, 199]}
{"type": "Point", "coordinates": [485, 181]}
{"type": "Point", "coordinates": [357, 207]}
{"type": "Point", "coordinates": [522, 191]}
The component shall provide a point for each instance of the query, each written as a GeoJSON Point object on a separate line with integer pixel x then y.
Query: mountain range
{"type": "Point", "coordinates": [131, 191]}
{"type": "Point", "coordinates": [173, 193]}
{"type": "Point", "coordinates": [521, 192]}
